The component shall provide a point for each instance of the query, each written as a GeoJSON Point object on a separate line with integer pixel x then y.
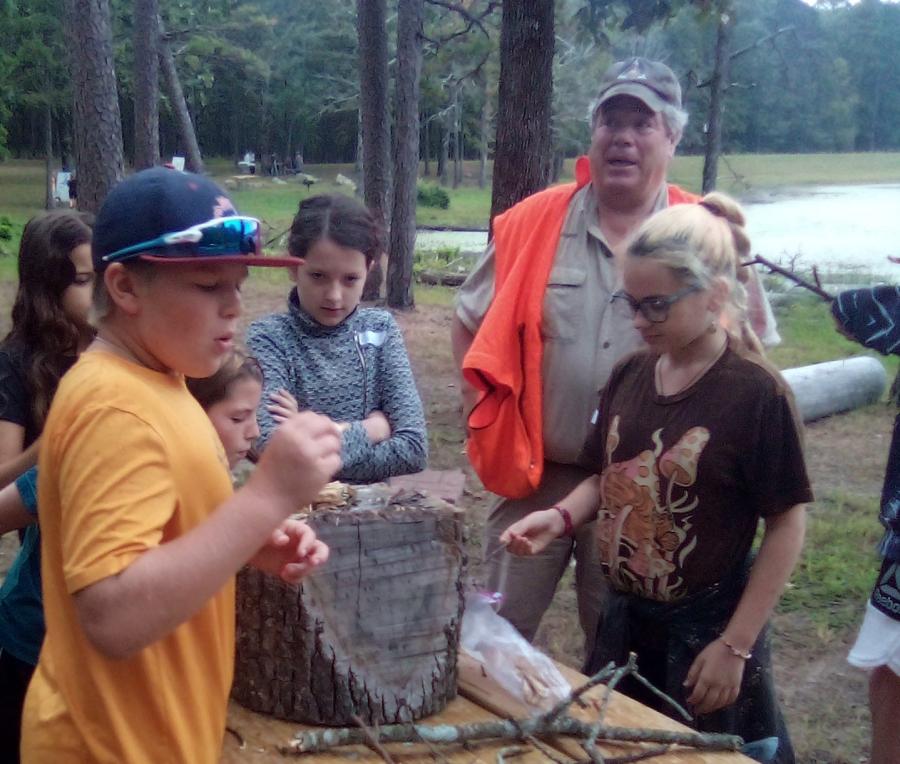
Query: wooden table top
{"type": "Point", "coordinates": [256, 738]}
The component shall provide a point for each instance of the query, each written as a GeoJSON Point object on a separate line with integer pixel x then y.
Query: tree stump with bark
{"type": "Point", "coordinates": [373, 635]}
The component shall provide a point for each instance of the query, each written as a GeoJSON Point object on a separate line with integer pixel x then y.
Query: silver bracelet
{"type": "Point", "coordinates": [735, 652]}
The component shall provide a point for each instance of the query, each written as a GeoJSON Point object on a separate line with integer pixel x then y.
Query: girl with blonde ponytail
{"type": "Point", "coordinates": [696, 440]}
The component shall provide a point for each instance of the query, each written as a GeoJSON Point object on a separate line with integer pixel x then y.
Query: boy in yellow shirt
{"type": "Point", "coordinates": [142, 535]}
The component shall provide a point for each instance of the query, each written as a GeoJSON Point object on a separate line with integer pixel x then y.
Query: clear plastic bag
{"type": "Point", "coordinates": [507, 657]}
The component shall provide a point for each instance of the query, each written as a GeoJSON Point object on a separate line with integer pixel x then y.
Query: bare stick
{"type": "Point", "coordinates": [316, 741]}
{"type": "Point", "coordinates": [648, 754]}
{"type": "Point", "coordinates": [789, 274]}
{"type": "Point", "coordinates": [372, 740]}
{"type": "Point", "coordinates": [545, 749]}
{"type": "Point", "coordinates": [509, 752]}
{"type": "Point", "coordinates": [667, 698]}
{"type": "Point", "coordinates": [575, 696]}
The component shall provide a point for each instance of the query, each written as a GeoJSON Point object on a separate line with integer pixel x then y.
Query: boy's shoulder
{"type": "Point", "coordinates": [103, 379]}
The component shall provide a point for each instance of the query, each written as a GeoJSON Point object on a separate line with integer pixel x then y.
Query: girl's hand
{"type": "Point", "coordinates": [715, 676]}
{"type": "Point", "coordinates": [377, 427]}
{"type": "Point", "coordinates": [533, 533]}
{"type": "Point", "coordinates": [292, 552]}
{"type": "Point", "coordinates": [282, 405]}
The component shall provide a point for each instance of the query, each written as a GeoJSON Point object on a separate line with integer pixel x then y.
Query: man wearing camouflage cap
{"type": "Point", "coordinates": [536, 338]}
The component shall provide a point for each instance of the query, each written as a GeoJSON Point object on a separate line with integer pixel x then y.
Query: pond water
{"type": "Point", "coordinates": [836, 228]}
{"type": "Point", "coordinates": [846, 229]}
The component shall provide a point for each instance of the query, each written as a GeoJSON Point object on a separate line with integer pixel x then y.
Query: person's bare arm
{"type": "Point", "coordinates": [12, 444]}
{"type": "Point", "coordinates": [715, 675]}
{"type": "Point", "coordinates": [165, 586]}
{"type": "Point", "coordinates": [11, 468]}
{"type": "Point", "coordinates": [13, 514]}
{"type": "Point", "coordinates": [535, 531]}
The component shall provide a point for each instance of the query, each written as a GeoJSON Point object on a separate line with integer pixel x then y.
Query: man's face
{"type": "Point", "coordinates": [630, 152]}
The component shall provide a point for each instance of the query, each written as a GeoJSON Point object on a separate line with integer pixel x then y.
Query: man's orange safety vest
{"type": "Point", "coordinates": [505, 444]}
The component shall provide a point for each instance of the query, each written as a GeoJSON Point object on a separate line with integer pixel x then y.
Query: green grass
{"type": "Point", "coordinates": [22, 183]}
{"type": "Point", "coordinates": [809, 336]}
{"type": "Point", "coordinates": [839, 563]}
{"type": "Point", "coordinates": [435, 295]}
{"type": "Point", "coordinates": [469, 208]}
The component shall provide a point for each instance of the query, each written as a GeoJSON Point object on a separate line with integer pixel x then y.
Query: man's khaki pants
{"type": "Point", "coordinates": [528, 583]}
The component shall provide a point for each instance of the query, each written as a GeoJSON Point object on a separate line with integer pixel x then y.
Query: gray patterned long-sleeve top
{"type": "Point", "coordinates": [345, 372]}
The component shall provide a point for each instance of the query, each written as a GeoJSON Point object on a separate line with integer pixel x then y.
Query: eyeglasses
{"type": "Point", "coordinates": [234, 235]}
{"type": "Point", "coordinates": [655, 309]}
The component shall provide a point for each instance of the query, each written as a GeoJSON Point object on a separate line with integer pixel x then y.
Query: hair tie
{"type": "Point", "coordinates": [717, 211]}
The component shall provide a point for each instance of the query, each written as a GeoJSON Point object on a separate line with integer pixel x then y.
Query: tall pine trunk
{"type": "Point", "coordinates": [406, 153]}
{"type": "Point", "coordinates": [484, 132]}
{"type": "Point", "coordinates": [371, 25]}
{"type": "Point", "coordinates": [98, 124]}
{"type": "Point", "coordinates": [146, 84]}
{"type": "Point", "coordinates": [524, 103]}
{"type": "Point", "coordinates": [457, 136]}
{"type": "Point", "coordinates": [193, 160]}
{"type": "Point", "coordinates": [717, 85]}
{"type": "Point", "coordinates": [48, 157]}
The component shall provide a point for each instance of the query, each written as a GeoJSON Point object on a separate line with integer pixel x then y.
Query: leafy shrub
{"type": "Point", "coordinates": [6, 228]}
{"type": "Point", "coordinates": [432, 196]}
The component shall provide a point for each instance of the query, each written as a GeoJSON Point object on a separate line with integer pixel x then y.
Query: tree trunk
{"type": "Point", "coordinates": [371, 26]}
{"type": "Point", "coordinates": [457, 136]}
{"type": "Point", "coordinates": [444, 159]}
{"type": "Point", "coordinates": [98, 124]}
{"type": "Point", "coordinates": [358, 160]}
{"type": "Point", "coordinates": [146, 84]}
{"type": "Point", "coordinates": [717, 85]}
{"type": "Point", "coordinates": [48, 157]}
{"type": "Point", "coordinates": [193, 160]}
{"type": "Point", "coordinates": [406, 154]}
{"type": "Point", "coordinates": [440, 171]}
{"type": "Point", "coordinates": [524, 103]}
{"type": "Point", "coordinates": [484, 133]}
{"type": "Point", "coordinates": [426, 149]}
{"type": "Point", "coordinates": [374, 634]}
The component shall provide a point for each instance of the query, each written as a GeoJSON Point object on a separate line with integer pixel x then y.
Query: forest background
{"type": "Point", "coordinates": [281, 76]}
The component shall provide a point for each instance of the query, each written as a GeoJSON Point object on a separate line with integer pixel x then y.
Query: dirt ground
{"type": "Point", "coordinates": [824, 698]}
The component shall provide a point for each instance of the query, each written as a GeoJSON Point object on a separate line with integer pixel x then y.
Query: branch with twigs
{"type": "Point", "coordinates": [471, 19]}
{"type": "Point", "coordinates": [815, 288]}
{"type": "Point", "coordinates": [554, 722]}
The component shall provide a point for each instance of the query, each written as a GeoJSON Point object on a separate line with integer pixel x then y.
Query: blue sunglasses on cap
{"type": "Point", "coordinates": [222, 237]}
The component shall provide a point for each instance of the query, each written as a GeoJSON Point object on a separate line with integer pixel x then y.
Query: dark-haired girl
{"type": "Point", "coordinates": [49, 329]}
{"type": "Point", "coordinates": [335, 358]}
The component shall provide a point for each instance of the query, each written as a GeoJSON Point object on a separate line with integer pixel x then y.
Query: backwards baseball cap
{"type": "Point", "coordinates": [167, 216]}
{"type": "Point", "coordinates": [651, 82]}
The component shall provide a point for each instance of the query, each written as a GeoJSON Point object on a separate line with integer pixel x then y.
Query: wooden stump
{"type": "Point", "coordinates": [374, 634]}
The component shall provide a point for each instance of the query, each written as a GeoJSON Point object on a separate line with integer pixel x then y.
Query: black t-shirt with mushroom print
{"type": "Point", "coordinates": [686, 477]}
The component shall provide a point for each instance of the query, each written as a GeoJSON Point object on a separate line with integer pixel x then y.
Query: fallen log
{"type": "Point", "coordinates": [439, 278]}
{"type": "Point", "coordinates": [823, 389]}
